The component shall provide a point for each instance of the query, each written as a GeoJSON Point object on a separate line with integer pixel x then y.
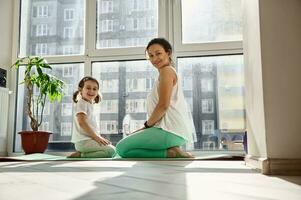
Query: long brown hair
{"type": "Point", "coordinates": [81, 85]}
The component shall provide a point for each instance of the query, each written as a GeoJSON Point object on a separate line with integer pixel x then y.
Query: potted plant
{"type": "Point", "coordinates": [37, 79]}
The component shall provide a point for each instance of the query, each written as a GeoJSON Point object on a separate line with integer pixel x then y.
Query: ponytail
{"type": "Point", "coordinates": [97, 99]}
{"type": "Point", "coordinates": [74, 98]}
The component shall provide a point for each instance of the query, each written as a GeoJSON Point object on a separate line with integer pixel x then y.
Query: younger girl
{"type": "Point", "coordinates": [87, 142]}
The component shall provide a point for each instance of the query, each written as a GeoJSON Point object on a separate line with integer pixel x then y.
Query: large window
{"type": "Point", "coordinates": [217, 93]}
{"type": "Point", "coordinates": [56, 21]}
{"type": "Point", "coordinates": [107, 39]}
{"type": "Point", "coordinates": [125, 85]}
{"type": "Point", "coordinates": [124, 21]}
{"type": "Point", "coordinates": [213, 20]}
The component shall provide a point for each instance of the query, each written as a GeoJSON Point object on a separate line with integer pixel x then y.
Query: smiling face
{"type": "Point", "coordinates": [90, 91]}
{"type": "Point", "coordinates": [158, 56]}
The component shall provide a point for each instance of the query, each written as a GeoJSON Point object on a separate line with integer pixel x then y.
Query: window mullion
{"type": "Point", "coordinates": [163, 18]}
{"type": "Point", "coordinates": [90, 36]}
{"type": "Point", "coordinates": [177, 24]}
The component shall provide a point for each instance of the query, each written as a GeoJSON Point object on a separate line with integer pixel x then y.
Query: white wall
{"type": "Point", "coordinates": [281, 53]}
{"type": "Point", "coordinates": [253, 79]}
{"type": "Point", "coordinates": [272, 46]}
{"type": "Point", "coordinates": [6, 25]}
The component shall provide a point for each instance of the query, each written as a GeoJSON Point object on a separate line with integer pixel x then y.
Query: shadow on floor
{"type": "Point", "coordinates": [292, 179]}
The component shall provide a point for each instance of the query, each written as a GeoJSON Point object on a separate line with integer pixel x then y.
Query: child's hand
{"type": "Point", "coordinates": [102, 141]}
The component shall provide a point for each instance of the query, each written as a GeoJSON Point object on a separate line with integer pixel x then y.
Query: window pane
{"type": "Point", "coordinates": [57, 117]}
{"type": "Point", "coordinates": [52, 27]}
{"type": "Point", "coordinates": [213, 21]}
{"type": "Point", "coordinates": [127, 23]}
{"type": "Point", "coordinates": [124, 87]}
{"type": "Point", "coordinates": [214, 88]}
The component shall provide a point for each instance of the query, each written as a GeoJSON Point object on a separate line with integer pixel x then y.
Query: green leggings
{"type": "Point", "coordinates": [91, 149]}
{"type": "Point", "coordinates": [148, 143]}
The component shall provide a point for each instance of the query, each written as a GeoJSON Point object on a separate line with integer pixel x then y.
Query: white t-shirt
{"type": "Point", "coordinates": [82, 106]}
{"type": "Point", "coordinates": [177, 119]}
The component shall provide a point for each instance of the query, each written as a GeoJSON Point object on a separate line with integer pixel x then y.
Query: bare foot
{"type": "Point", "coordinates": [176, 152]}
{"type": "Point", "coordinates": [76, 154]}
{"type": "Point", "coordinates": [171, 153]}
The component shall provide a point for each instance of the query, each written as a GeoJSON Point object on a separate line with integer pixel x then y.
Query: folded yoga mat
{"type": "Point", "coordinates": [48, 157]}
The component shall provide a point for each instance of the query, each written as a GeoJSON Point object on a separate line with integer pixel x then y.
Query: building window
{"type": "Point", "coordinates": [136, 124]}
{"type": "Point", "coordinates": [135, 24]}
{"type": "Point", "coordinates": [109, 86]}
{"type": "Point", "coordinates": [136, 106]}
{"type": "Point", "coordinates": [149, 83]}
{"type": "Point", "coordinates": [109, 106]}
{"type": "Point", "coordinates": [69, 14]}
{"type": "Point", "coordinates": [133, 42]}
{"type": "Point", "coordinates": [41, 49]}
{"type": "Point", "coordinates": [207, 85]}
{"type": "Point", "coordinates": [81, 33]}
{"type": "Point", "coordinates": [149, 22]}
{"type": "Point", "coordinates": [44, 126]}
{"type": "Point", "coordinates": [107, 6]}
{"type": "Point", "coordinates": [106, 25]}
{"type": "Point", "coordinates": [68, 89]}
{"type": "Point", "coordinates": [68, 71]}
{"type": "Point", "coordinates": [66, 128]}
{"type": "Point", "coordinates": [136, 85]}
{"type": "Point", "coordinates": [66, 109]}
{"type": "Point", "coordinates": [68, 32]}
{"type": "Point", "coordinates": [41, 30]}
{"type": "Point", "coordinates": [109, 43]}
{"type": "Point", "coordinates": [40, 11]}
{"type": "Point", "coordinates": [208, 145]}
{"type": "Point", "coordinates": [135, 5]}
{"type": "Point", "coordinates": [190, 103]}
{"type": "Point", "coordinates": [67, 50]}
{"type": "Point", "coordinates": [108, 127]}
{"type": "Point", "coordinates": [207, 106]}
{"type": "Point", "coordinates": [207, 127]}
{"type": "Point", "coordinates": [46, 110]}
{"type": "Point", "coordinates": [187, 83]}
{"type": "Point", "coordinates": [207, 68]}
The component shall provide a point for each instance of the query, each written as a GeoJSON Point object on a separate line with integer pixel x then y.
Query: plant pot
{"type": "Point", "coordinates": [34, 141]}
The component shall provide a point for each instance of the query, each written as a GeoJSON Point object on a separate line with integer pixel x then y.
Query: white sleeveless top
{"type": "Point", "coordinates": [178, 119]}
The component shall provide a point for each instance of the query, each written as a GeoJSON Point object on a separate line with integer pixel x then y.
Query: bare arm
{"type": "Point", "coordinates": [82, 121]}
{"type": "Point", "coordinates": [167, 80]}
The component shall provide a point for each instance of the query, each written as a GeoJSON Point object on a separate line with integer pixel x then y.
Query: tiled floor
{"type": "Point", "coordinates": [153, 180]}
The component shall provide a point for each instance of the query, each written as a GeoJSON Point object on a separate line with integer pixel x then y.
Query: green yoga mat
{"type": "Point", "coordinates": [45, 157]}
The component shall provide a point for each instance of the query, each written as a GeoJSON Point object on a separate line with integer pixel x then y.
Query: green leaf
{"type": "Point", "coordinates": [39, 70]}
